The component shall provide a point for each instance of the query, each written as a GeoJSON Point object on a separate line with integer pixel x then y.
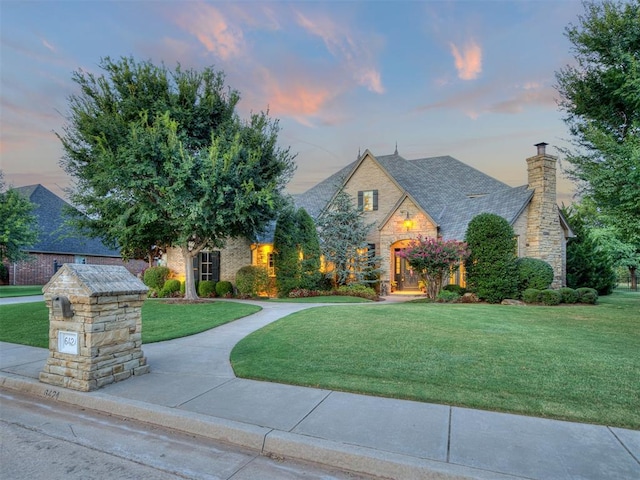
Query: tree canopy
{"type": "Point", "coordinates": [600, 96]}
{"type": "Point", "coordinates": [18, 225]}
{"type": "Point", "coordinates": [160, 157]}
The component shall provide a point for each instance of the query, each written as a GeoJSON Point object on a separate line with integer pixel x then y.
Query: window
{"type": "Point", "coordinates": [80, 259]}
{"type": "Point", "coordinates": [207, 266]}
{"type": "Point", "coordinates": [368, 200]}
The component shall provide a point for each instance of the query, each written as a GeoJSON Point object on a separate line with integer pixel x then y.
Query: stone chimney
{"type": "Point", "coordinates": [545, 237]}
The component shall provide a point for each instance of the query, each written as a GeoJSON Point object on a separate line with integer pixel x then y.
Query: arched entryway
{"type": "Point", "coordinates": [403, 277]}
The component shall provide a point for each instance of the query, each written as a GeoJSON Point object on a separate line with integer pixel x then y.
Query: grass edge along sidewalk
{"type": "Point", "coordinates": [9, 291]}
{"type": "Point", "coordinates": [577, 363]}
{"type": "Point", "coordinates": [28, 323]}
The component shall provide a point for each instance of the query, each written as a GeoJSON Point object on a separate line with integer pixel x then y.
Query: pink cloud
{"type": "Point", "coordinates": [212, 29]}
{"type": "Point", "coordinates": [354, 53]}
{"type": "Point", "coordinates": [294, 97]}
{"type": "Point", "coordinates": [468, 61]}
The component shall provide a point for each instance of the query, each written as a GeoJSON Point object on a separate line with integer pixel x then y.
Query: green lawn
{"type": "Point", "coordinates": [323, 299]}
{"type": "Point", "coordinates": [28, 323]}
{"type": "Point", "coordinates": [20, 290]}
{"type": "Point", "coordinates": [580, 363]}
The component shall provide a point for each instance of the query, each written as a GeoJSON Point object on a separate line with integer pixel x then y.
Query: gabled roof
{"type": "Point", "coordinates": [55, 236]}
{"type": "Point", "coordinates": [447, 190]}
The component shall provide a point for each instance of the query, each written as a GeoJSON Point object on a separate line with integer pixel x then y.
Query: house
{"type": "Point", "coordinates": [432, 197]}
{"type": "Point", "coordinates": [59, 243]}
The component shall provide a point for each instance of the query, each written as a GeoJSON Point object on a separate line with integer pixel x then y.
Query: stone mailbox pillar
{"type": "Point", "coordinates": [95, 326]}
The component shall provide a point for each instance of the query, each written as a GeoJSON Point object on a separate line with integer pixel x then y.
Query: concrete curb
{"type": "Point", "coordinates": [267, 441]}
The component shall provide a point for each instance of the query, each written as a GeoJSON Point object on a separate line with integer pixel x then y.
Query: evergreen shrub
{"type": "Point", "coordinates": [533, 273]}
{"type": "Point", "coordinates": [224, 289]}
{"type": "Point", "coordinates": [357, 290]}
{"type": "Point", "coordinates": [569, 295]}
{"type": "Point", "coordinates": [170, 288]}
{"type": "Point", "coordinates": [447, 296]}
{"type": "Point", "coordinates": [252, 280]}
{"type": "Point", "coordinates": [455, 288]}
{"type": "Point", "coordinates": [587, 295]}
{"type": "Point", "coordinates": [491, 267]}
{"type": "Point", "coordinates": [206, 288]}
{"type": "Point", "coordinates": [154, 277]}
{"type": "Point", "coordinates": [531, 295]}
{"type": "Point", "coordinates": [550, 297]}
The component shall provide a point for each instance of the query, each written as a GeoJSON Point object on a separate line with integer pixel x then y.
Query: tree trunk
{"type": "Point", "coordinates": [190, 292]}
{"type": "Point", "coordinates": [634, 278]}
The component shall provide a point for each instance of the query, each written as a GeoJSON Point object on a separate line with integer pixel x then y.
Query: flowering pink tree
{"type": "Point", "coordinates": [433, 259]}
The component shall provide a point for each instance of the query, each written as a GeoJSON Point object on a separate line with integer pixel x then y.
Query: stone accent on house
{"type": "Point", "coordinates": [545, 238]}
{"type": "Point", "coordinates": [97, 338]}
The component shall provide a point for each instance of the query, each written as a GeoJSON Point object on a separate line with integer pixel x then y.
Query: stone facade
{"type": "Point", "coordinates": [545, 236]}
{"type": "Point", "coordinates": [97, 340]}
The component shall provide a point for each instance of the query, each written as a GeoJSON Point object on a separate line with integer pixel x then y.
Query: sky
{"type": "Point", "coordinates": [470, 79]}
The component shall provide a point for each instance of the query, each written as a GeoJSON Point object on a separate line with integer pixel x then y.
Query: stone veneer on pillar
{"type": "Point", "coordinates": [545, 235]}
{"type": "Point", "coordinates": [95, 326]}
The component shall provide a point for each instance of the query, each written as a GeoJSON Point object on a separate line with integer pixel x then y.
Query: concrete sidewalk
{"type": "Point", "coordinates": [192, 388]}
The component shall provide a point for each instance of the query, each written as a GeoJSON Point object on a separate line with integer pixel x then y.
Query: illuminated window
{"type": "Point", "coordinates": [368, 200]}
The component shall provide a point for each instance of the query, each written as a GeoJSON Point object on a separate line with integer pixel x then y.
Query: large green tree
{"type": "Point", "coordinates": [160, 157]}
{"type": "Point", "coordinates": [589, 262]}
{"type": "Point", "coordinates": [18, 225]}
{"type": "Point", "coordinates": [600, 96]}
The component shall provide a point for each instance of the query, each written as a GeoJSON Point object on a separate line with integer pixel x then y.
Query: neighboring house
{"type": "Point", "coordinates": [59, 243]}
{"type": "Point", "coordinates": [433, 197]}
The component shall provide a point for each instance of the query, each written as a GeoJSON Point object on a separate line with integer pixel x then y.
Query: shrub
{"type": "Point", "coordinates": [357, 290]}
{"type": "Point", "coordinates": [170, 288]}
{"type": "Point", "coordinates": [587, 295]}
{"type": "Point", "coordinates": [447, 296]}
{"type": "Point", "coordinates": [550, 297]}
{"type": "Point", "coordinates": [154, 277]}
{"type": "Point", "coordinates": [569, 295]}
{"type": "Point", "coordinates": [491, 267]}
{"type": "Point", "coordinates": [224, 289]}
{"type": "Point", "coordinates": [533, 273]}
{"type": "Point", "coordinates": [206, 288]}
{"type": "Point", "coordinates": [252, 280]}
{"type": "Point", "coordinates": [455, 288]}
{"type": "Point", "coordinates": [531, 295]}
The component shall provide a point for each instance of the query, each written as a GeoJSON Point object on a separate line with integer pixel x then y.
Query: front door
{"type": "Point", "coordinates": [404, 276]}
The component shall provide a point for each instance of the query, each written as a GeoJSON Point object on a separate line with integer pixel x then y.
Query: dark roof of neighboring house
{"type": "Point", "coordinates": [55, 235]}
{"type": "Point", "coordinates": [449, 191]}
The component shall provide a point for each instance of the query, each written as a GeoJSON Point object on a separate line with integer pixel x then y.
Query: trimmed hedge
{"type": "Point", "coordinates": [569, 295]}
{"type": "Point", "coordinates": [357, 290]}
{"type": "Point", "coordinates": [224, 289]}
{"type": "Point", "coordinates": [587, 295]}
{"type": "Point", "coordinates": [206, 288]}
{"type": "Point", "coordinates": [455, 288]}
{"type": "Point", "coordinates": [533, 273]}
{"type": "Point", "coordinates": [447, 296]}
{"type": "Point", "coordinates": [252, 280]}
{"type": "Point", "coordinates": [550, 297]}
{"type": "Point", "coordinates": [531, 295]}
{"type": "Point", "coordinates": [170, 287]}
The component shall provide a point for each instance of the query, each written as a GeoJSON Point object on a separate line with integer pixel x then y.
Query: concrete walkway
{"type": "Point", "coordinates": [192, 388]}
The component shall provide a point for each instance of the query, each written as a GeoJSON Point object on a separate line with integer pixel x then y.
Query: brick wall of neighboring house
{"type": "Point", "coordinates": [40, 268]}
